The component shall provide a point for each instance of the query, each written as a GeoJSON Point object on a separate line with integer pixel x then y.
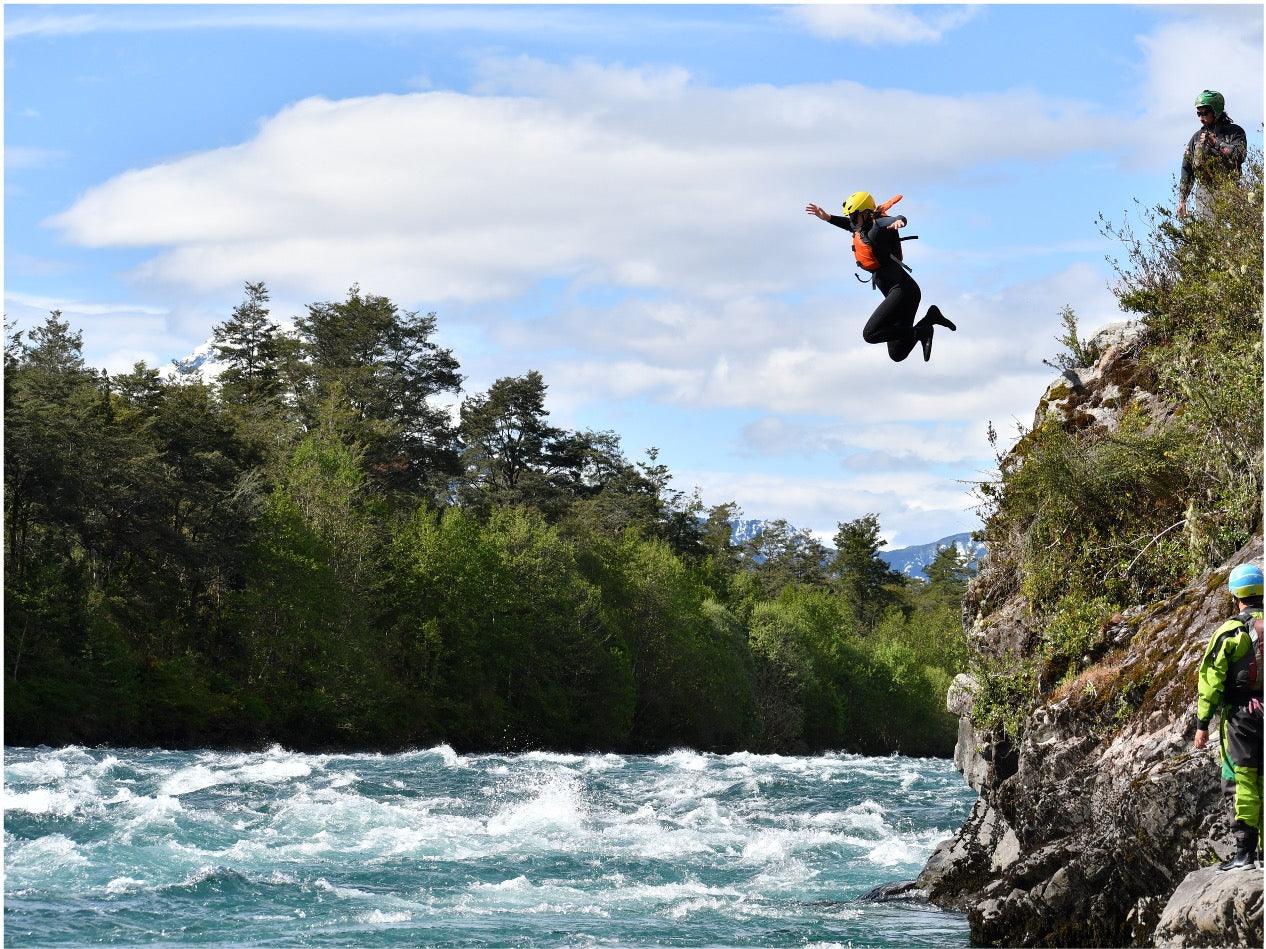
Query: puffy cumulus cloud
{"type": "Point", "coordinates": [1194, 48]}
{"type": "Point", "coordinates": [914, 507]}
{"type": "Point", "coordinates": [806, 356]}
{"type": "Point", "coordinates": [874, 25]}
{"type": "Point", "coordinates": [639, 178]}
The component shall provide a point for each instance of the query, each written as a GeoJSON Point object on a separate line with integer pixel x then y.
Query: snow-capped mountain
{"type": "Point", "coordinates": [743, 531]}
{"type": "Point", "coordinates": [201, 360]}
{"type": "Point", "coordinates": [913, 560]}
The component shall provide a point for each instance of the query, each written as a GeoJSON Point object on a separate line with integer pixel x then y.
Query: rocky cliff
{"type": "Point", "coordinates": [1096, 825]}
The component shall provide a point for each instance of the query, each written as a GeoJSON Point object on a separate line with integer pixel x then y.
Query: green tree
{"type": "Point", "coordinates": [694, 684]}
{"type": "Point", "coordinates": [948, 572]}
{"type": "Point", "coordinates": [861, 575]}
{"type": "Point", "coordinates": [249, 345]}
{"type": "Point", "coordinates": [1197, 283]}
{"type": "Point", "coordinates": [801, 642]}
{"type": "Point", "coordinates": [613, 495]}
{"type": "Point", "coordinates": [508, 442]}
{"type": "Point", "coordinates": [780, 555]}
{"type": "Point", "coordinates": [390, 370]}
{"type": "Point", "coordinates": [307, 616]}
{"type": "Point", "coordinates": [718, 534]}
{"type": "Point", "coordinates": [500, 636]}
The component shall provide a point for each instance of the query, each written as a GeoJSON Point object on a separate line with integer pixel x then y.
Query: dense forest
{"type": "Point", "coordinates": [330, 546]}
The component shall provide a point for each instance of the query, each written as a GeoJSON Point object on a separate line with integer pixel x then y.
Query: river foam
{"type": "Point", "coordinates": [541, 848]}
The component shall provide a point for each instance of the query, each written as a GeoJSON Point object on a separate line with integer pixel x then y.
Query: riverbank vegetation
{"type": "Point", "coordinates": [311, 549]}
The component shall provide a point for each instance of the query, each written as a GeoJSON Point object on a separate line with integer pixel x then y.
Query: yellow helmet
{"type": "Point", "coordinates": [859, 201]}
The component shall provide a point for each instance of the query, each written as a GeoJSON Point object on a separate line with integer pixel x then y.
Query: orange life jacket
{"type": "Point", "coordinates": [864, 253]}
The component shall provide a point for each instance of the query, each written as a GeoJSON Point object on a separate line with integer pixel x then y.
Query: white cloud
{"type": "Point", "coordinates": [873, 25]}
{"type": "Point", "coordinates": [608, 175]}
{"type": "Point", "coordinates": [69, 305]}
{"type": "Point", "coordinates": [913, 507]}
{"type": "Point", "coordinates": [589, 23]}
{"type": "Point", "coordinates": [55, 25]}
{"type": "Point", "coordinates": [808, 356]}
{"type": "Point", "coordinates": [118, 334]}
{"type": "Point", "coordinates": [115, 335]}
{"type": "Point", "coordinates": [889, 445]}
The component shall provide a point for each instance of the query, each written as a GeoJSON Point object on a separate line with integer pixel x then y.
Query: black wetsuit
{"type": "Point", "coordinates": [893, 320]}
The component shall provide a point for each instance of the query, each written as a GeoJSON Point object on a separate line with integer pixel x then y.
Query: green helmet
{"type": "Point", "coordinates": [1213, 100]}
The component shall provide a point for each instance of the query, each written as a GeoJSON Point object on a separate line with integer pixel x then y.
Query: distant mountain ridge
{"type": "Point", "coordinates": [911, 561]}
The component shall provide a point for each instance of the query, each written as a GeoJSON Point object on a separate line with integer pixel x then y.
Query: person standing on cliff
{"type": "Point", "coordinates": [1217, 148]}
{"type": "Point", "coordinates": [1230, 685]}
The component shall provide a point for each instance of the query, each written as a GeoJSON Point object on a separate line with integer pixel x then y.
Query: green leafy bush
{"type": "Point", "coordinates": [1093, 521]}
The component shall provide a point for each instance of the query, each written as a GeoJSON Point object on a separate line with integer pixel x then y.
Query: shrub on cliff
{"type": "Point", "coordinates": [1092, 519]}
{"type": "Point", "coordinates": [1198, 285]}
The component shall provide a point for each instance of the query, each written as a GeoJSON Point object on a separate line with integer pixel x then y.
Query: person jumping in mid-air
{"type": "Point", "coordinates": [877, 247]}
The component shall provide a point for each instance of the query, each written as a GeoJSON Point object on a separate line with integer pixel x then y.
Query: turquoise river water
{"type": "Point", "coordinates": [432, 848]}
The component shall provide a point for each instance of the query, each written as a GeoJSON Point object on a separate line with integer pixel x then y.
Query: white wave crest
{"type": "Point", "coordinates": [189, 780]}
{"type": "Point", "coordinates": [343, 892]}
{"type": "Point", "coordinates": [867, 816]}
{"type": "Point", "coordinates": [604, 762]}
{"type": "Point", "coordinates": [39, 771]}
{"type": "Point", "coordinates": [42, 801]}
{"type": "Point", "coordinates": [268, 771]}
{"type": "Point", "coordinates": [893, 851]}
{"type": "Point", "coordinates": [685, 759]}
{"type": "Point", "coordinates": [121, 885]}
{"type": "Point", "coordinates": [558, 805]}
{"type": "Point", "coordinates": [446, 754]}
{"type": "Point", "coordinates": [378, 918]}
{"type": "Point", "coordinates": [516, 884]}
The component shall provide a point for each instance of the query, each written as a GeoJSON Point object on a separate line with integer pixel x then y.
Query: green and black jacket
{"type": "Point", "coordinates": [1224, 670]}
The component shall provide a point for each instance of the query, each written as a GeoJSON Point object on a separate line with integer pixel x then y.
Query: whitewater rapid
{"type": "Point", "coordinates": [431, 847]}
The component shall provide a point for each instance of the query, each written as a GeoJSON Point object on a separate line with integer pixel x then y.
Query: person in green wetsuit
{"type": "Point", "coordinates": [1230, 684]}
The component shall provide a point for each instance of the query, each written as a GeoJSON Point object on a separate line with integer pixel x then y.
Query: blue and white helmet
{"type": "Point", "coordinates": [1245, 581]}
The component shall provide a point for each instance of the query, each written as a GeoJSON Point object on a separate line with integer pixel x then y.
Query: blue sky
{"type": "Point", "coordinates": [614, 195]}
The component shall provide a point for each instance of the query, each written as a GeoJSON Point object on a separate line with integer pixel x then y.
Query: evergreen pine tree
{"type": "Point", "coordinates": [248, 344]}
{"type": "Point", "coordinates": [861, 575]}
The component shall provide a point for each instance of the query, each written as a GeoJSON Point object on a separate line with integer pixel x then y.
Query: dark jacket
{"type": "Point", "coordinates": [1221, 150]}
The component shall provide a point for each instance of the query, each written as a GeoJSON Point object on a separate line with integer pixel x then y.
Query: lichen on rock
{"type": "Point", "coordinates": [1104, 813]}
